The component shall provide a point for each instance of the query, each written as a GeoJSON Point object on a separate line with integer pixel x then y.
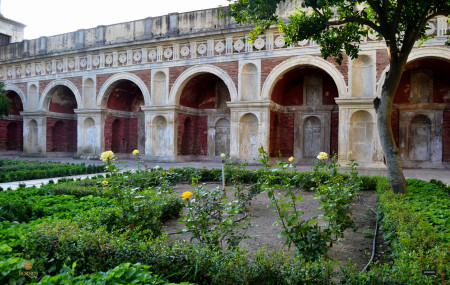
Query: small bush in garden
{"type": "Point", "coordinates": [336, 192]}
{"type": "Point", "coordinates": [213, 219]}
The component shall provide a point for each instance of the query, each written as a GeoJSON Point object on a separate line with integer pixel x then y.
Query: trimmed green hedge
{"type": "Point", "coordinates": [18, 170]}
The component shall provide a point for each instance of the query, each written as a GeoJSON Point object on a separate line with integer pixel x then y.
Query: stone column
{"type": "Point", "coordinates": [34, 133]}
{"type": "Point", "coordinates": [90, 132]}
{"type": "Point", "coordinates": [161, 147]}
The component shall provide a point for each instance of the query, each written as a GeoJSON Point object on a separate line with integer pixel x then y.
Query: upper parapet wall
{"type": "Point", "coordinates": [189, 24]}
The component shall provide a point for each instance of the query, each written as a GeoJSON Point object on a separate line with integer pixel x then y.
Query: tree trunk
{"type": "Point", "coordinates": [383, 108]}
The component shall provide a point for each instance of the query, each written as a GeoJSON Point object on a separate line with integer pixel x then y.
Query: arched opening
{"type": "Point", "coordinates": [361, 137]}
{"type": "Point", "coordinates": [249, 82]}
{"type": "Point", "coordinates": [249, 136]}
{"type": "Point", "coordinates": [32, 137]}
{"type": "Point", "coordinates": [159, 90]}
{"type": "Point", "coordinates": [90, 138]}
{"type": "Point", "coordinates": [160, 137]}
{"type": "Point", "coordinates": [124, 124]}
{"type": "Point", "coordinates": [203, 101]}
{"type": "Point", "coordinates": [62, 121]}
{"type": "Point", "coordinates": [11, 138]}
{"type": "Point", "coordinates": [420, 139]}
{"type": "Point", "coordinates": [222, 131]}
{"type": "Point", "coordinates": [312, 137]}
{"type": "Point", "coordinates": [423, 103]}
{"type": "Point", "coordinates": [89, 94]}
{"type": "Point", "coordinates": [307, 116]}
{"type": "Point", "coordinates": [362, 77]}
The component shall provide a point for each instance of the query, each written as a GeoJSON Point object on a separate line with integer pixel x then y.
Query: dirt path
{"type": "Point", "coordinates": [356, 245]}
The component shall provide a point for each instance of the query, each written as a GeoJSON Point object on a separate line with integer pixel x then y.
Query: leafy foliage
{"type": "Point", "coordinates": [5, 102]}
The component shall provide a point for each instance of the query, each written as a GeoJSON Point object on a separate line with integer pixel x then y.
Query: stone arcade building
{"type": "Point", "coordinates": [187, 86]}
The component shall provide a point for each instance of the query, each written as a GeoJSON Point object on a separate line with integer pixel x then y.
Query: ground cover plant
{"type": "Point", "coordinates": [110, 228]}
{"type": "Point", "coordinates": [17, 170]}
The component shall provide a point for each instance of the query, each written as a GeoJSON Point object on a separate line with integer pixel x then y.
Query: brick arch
{"type": "Point", "coordinates": [45, 99]}
{"type": "Point", "coordinates": [292, 63]}
{"type": "Point", "coordinates": [109, 84]}
{"type": "Point", "coordinates": [185, 77]}
{"type": "Point", "coordinates": [18, 91]}
{"type": "Point", "coordinates": [420, 53]}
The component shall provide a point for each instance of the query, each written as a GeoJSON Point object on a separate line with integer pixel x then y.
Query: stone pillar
{"type": "Point", "coordinates": [161, 133]}
{"type": "Point", "coordinates": [358, 133]}
{"type": "Point", "coordinates": [90, 132]}
{"type": "Point", "coordinates": [34, 134]}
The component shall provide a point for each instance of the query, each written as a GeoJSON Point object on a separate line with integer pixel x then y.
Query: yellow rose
{"type": "Point", "coordinates": [105, 182]}
{"type": "Point", "coordinates": [322, 155]}
{"type": "Point", "coordinates": [107, 155]}
{"type": "Point", "coordinates": [186, 195]}
{"type": "Point", "coordinates": [222, 155]}
{"type": "Point", "coordinates": [157, 167]}
{"type": "Point", "coordinates": [135, 152]}
{"type": "Point", "coordinates": [350, 152]}
{"type": "Point", "coordinates": [291, 159]}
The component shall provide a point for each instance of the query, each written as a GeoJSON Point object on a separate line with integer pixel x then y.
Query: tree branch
{"type": "Point", "coordinates": [359, 20]}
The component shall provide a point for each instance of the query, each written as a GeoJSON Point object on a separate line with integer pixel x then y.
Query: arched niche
{"type": "Point", "coordinates": [313, 90]}
{"type": "Point", "coordinates": [32, 138]}
{"type": "Point", "coordinates": [420, 138]}
{"type": "Point", "coordinates": [312, 137]}
{"type": "Point", "coordinates": [249, 136]}
{"type": "Point", "coordinates": [159, 91]}
{"type": "Point", "coordinates": [362, 77]}
{"type": "Point", "coordinates": [222, 137]}
{"type": "Point", "coordinates": [160, 137]}
{"type": "Point", "coordinates": [249, 82]}
{"type": "Point", "coordinates": [89, 97]}
{"type": "Point", "coordinates": [90, 137]}
{"type": "Point", "coordinates": [361, 138]}
{"type": "Point", "coordinates": [33, 98]}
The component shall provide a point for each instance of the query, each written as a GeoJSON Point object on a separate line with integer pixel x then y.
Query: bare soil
{"type": "Point", "coordinates": [356, 246]}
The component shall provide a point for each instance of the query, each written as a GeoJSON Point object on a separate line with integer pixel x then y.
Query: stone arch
{"type": "Point", "coordinates": [249, 136]}
{"type": "Point", "coordinates": [90, 137]}
{"type": "Point", "coordinates": [111, 82]}
{"type": "Point", "coordinates": [159, 88]}
{"type": "Point", "coordinates": [222, 137]}
{"type": "Point", "coordinates": [32, 137]}
{"type": "Point", "coordinates": [248, 87]}
{"type": "Point", "coordinates": [417, 53]}
{"type": "Point", "coordinates": [160, 136]}
{"type": "Point", "coordinates": [312, 137]}
{"type": "Point", "coordinates": [186, 76]}
{"type": "Point", "coordinates": [18, 91]}
{"type": "Point", "coordinates": [289, 64]}
{"type": "Point", "coordinates": [89, 93]}
{"type": "Point", "coordinates": [419, 144]}
{"type": "Point", "coordinates": [361, 136]}
{"type": "Point", "coordinates": [362, 84]}
{"type": "Point", "coordinates": [45, 99]}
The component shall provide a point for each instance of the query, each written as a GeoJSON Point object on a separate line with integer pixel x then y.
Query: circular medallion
{"type": "Point", "coordinates": [19, 71]}
{"type": "Point", "coordinates": [38, 68]}
{"type": "Point", "coordinates": [96, 61]}
{"type": "Point", "coordinates": [109, 59]}
{"type": "Point", "coordinates": [123, 58]}
{"type": "Point", "coordinates": [168, 53]}
{"type": "Point", "coordinates": [71, 63]}
{"type": "Point", "coordinates": [239, 45]}
{"type": "Point", "coordinates": [201, 49]}
{"type": "Point", "coordinates": [220, 47]}
{"type": "Point", "coordinates": [372, 35]}
{"type": "Point", "coordinates": [152, 54]}
{"type": "Point", "coordinates": [48, 67]}
{"type": "Point", "coordinates": [259, 43]}
{"type": "Point", "coordinates": [184, 51]}
{"type": "Point", "coordinates": [10, 72]}
{"type": "Point", "coordinates": [59, 65]}
{"type": "Point", "coordinates": [28, 69]}
{"type": "Point", "coordinates": [83, 62]}
{"type": "Point", "coordinates": [280, 42]}
{"type": "Point", "coordinates": [137, 56]}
